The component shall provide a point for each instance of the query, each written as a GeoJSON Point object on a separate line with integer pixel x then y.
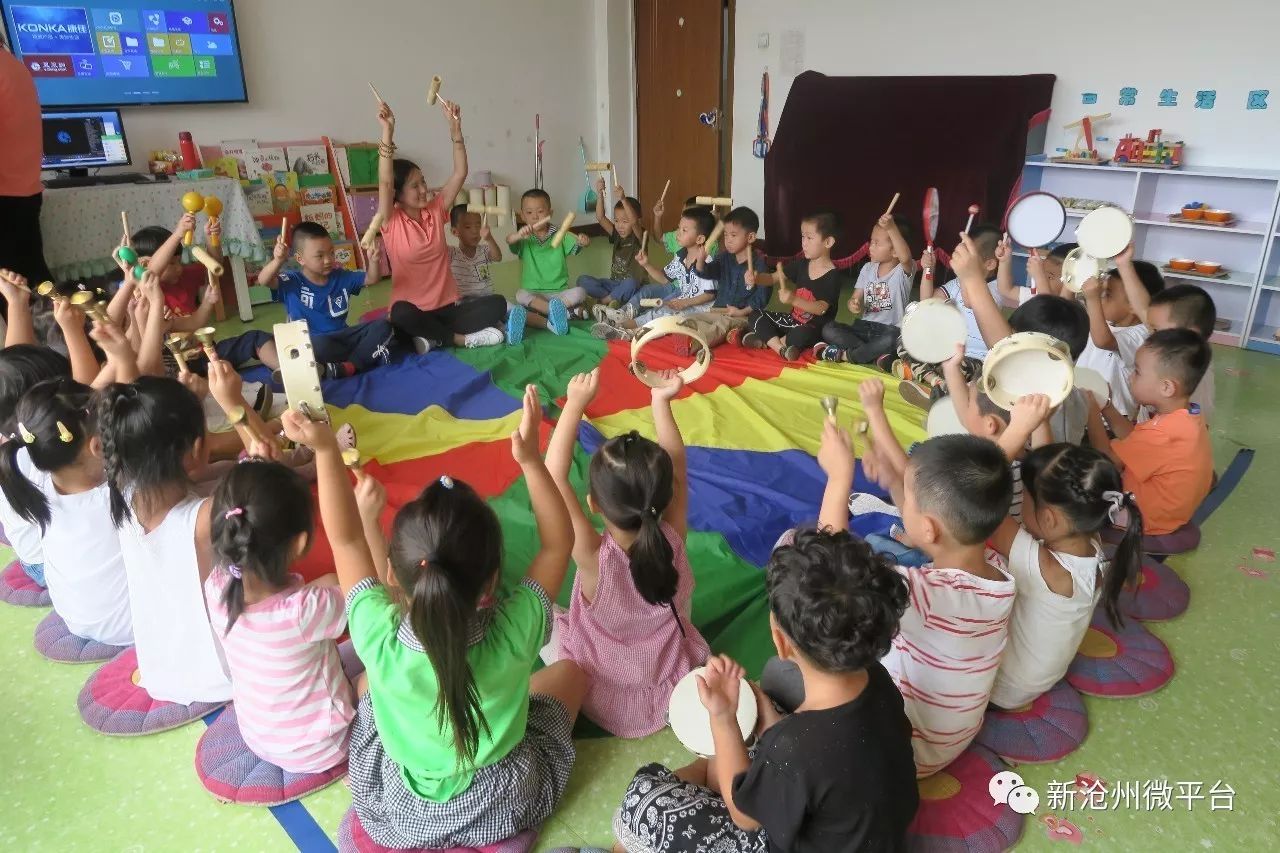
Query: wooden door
{"type": "Point", "coordinates": [680, 73]}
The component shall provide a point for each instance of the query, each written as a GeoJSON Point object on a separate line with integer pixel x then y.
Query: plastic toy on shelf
{"type": "Point", "coordinates": [1151, 153]}
{"type": "Point", "coordinates": [1082, 151]}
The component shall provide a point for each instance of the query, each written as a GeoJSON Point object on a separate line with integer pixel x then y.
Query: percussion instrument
{"type": "Point", "coordinates": [213, 210]}
{"type": "Point", "coordinates": [829, 404]}
{"type": "Point", "coordinates": [930, 219]}
{"type": "Point", "coordinates": [1036, 220]}
{"type": "Point", "coordinates": [298, 369]}
{"type": "Point", "coordinates": [692, 724]}
{"type": "Point", "coordinates": [1090, 380]}
{"type": "Point", "coordinates": [1077, 268]}
{"type": "Point", "coordinates": [660, 328]}
{"type": "Point", "coordinates": [1027, 363]}
{"type": "Point", "coordinates": [558, 238]}
{"type": "Point", "coordinates": [192, 203]}
{"type": "Point", "coordinates": [931, 328]}
{"type": "Point", "coordinates": [943, 419]}
{"type": "Point", "coordinates": [1105, 232]}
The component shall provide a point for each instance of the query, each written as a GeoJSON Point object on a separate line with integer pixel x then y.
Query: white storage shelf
{"type": "Point", "coordinates": [1248, 249]}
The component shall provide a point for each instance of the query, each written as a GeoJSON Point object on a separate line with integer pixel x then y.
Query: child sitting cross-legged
{"type": "Point", "coordinates": [469, 261]}
{"type": "Point", "coordinates": [954, 491]}
{"type": "Point", "coordinates": [626, 275]}
{"type": "Point", "coordinates": [320, 292]}
{"type": "Point", "coordinates": [544, 269]}
{"type": "Point", "coordinates": [1115, 330]}
{"type": "Point", "coordinates": [1183, 306]}
{"type": "Point", "coordinates": [833, 772]}
{"type": "Point", "coordinates": [680, 289]}
{"type": "Point", "coordinates": [738, 291]}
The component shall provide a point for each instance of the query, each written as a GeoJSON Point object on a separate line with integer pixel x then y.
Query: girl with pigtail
{"type": "Point", "coordinates": [453, 744]}
{"type": "Point", "coordinates": [628, 624]}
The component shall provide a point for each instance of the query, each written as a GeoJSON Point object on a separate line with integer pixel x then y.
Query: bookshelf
{"type": "Point", "coordinates": [1249, 250]}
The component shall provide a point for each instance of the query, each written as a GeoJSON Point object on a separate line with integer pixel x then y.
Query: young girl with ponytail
{"type": "Point", "coordinates": [52, 477]}
{"type": "Point", "coordinates": [293, 702]}
{"type": "Point", "coordinates": [628, 623]}
{"type": "Point", "coordinates": [454, 744]}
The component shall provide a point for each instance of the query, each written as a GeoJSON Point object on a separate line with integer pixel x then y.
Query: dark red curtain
{"type": "Point", "coordinates": [849, 143]}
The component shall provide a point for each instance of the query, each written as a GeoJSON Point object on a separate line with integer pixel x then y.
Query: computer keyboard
{"type": "Point", "coordinates": [95, 180]}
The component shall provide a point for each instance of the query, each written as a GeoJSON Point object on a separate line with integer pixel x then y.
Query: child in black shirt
{"type": "Point", "coordinates": [836, 773]}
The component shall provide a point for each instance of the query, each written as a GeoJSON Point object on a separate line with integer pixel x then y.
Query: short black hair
{"type": "Point", "coordinates": [304, 231]}
{"type": "Point", "coordinates": [456, 213]}
{"type": "Point", "coordinates": [985, 237]}
{"type": "Point", "coordinates": [964, 481]}
{"type": "Point", "coordinates": [904, 227]}
{"type": "Point", "coordinates": [1055, 316]}
{"type": "Point", "coordinates": [536, 193]}
{"type": "Point", "coordinates": [691, 201]}
{"type": "Point", "coordinates": [704, 221]}
{"type": "Point", "coordinates": [826, 222]}
{"type": "Point", "coordinates": [1149, 275]}
{"type": "Point", "coordinates": [835, 598]}
{"type": "Point", "coordinates": [1183, 356]}
{"type": "Point", "coordinates": [989, 407]}
{"type": "Point", "coordinates": [147, 241]}
{"type": "Point", "coordinates": [631, 203]}
{"type": "Point", "coordinates": [745, 218]}
{"type": "Point", "coordinates": [1190, 307]}
{"type": "Point", "coordinates": [1060, 251]}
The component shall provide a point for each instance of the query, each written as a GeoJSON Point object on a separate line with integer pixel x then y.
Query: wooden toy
{"type": "Point", "coordinates": [298, 369]}
{"type": "Point", "coordinates": [690, 721]}
{"type": "Point", "coordinates": [715, 234]}
{"type": "Point", "coordinates": [370, 233]}
{"type": "Point", "coordinates": [205, 335]}
{"type": "Point", "coordinates": [888, 210]}
{"type": "Point", "coordinates": [213, 210]}
{"type": "Point", "coordinates": [192, 203]}
{"type": "Point", "coordinates": [653, 302]}
{"type": "Point", "coordinates": [713, 201]}
{"type": "Point", "coordinates": [558, 238]}
{"type": "Point", "coordinates": [1036, 220]}
{"type": "Point", "coordinates": [375, 94]}
{"type": "Point", "coordinates": [1084, 154]}
{"type": "Point", "coordinates": [660, 328]}
{"type": "Point", "coordinates": [433, 93]}
{"type": "Point", "coordinates": [176, 344]}
{"type": "Point", "coordinates": [973, 211]}
{"type": "Point", "coordinates": [829, 405]}
{"type": "Point", "coordinates": [543, 221]}
{"type": "Point", "coordinates": [207, 260]}
{"type": "Point", "coordinates": [487, 210]}
{"type": "Point", "coordinates": [930, 219]}
{"type": "Point", "coordinates": [124, 221]}
{"type": "Point", "coordinates": [665, 187]}
{"type": "Point", "coordinates": [931, 328]}
{"type": "Point", "coordinates": [1152, 153]}
{"type": "Point", "coordinates": [1105, 232]}
{"type": "Point", "coordinates": [1027, 363]}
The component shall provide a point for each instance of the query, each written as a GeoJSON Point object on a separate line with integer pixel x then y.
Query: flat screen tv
{"type": "Point", "coordinates": [128, 53]}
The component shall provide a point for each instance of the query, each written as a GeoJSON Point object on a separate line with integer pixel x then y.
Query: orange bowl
{"type": "Point", "coordinates": [1192, 212]}
{"type": "Point", "coordinates": [1217, 215]}
{"type": "Point", "coordinates": [1208, 267]}
{"type": "Point", "coordinates": [1182, 264]}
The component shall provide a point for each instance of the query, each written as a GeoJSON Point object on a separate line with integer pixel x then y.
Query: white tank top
{"type": "Point", "coordinates": [22, 534]}
{"type": "Point", "coordinates": [179, 657]}
{"type": "Point", "coordinates": [82, 564]}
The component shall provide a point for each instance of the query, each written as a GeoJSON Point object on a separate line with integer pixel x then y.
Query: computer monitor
{"type": "Point", "coordinates": [77, 141]}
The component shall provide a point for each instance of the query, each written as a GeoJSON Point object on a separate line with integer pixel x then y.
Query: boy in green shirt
{"type": "Point", "coordinates": [544, 270]}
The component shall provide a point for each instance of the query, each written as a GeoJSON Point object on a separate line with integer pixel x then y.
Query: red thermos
{"type": "Point", "coordinates": [190, 159]}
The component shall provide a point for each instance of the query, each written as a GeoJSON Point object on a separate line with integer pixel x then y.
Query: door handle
{"type": "Point", "coordinates": [711, 118]}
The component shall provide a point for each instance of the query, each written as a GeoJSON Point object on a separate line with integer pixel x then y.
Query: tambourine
{"type": "Point", "coordinates": [1077, 268]}
{"type": "Point", "coordinates": [692, 724]}
{"type": "Point", "coordinates": [931, 328]}
{"type": "Point", "coordinates": [943, 419]}
{"type": "Point", "coordinates": [1088, 379]}
{"type": "Point", "coordinates": [1105, 232]}
{"type": "Point", "coordinates": [1036, 220]}
{"type": "Point", "coordinates": [298, 369]}
{"type": "Point", "coordinates": [1027, 363]}
{"type": "Point", "coordinates": [660, 328]}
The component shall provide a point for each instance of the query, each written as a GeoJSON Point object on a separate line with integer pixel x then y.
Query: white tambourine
{"type": "Point", "coordinates": [943, 419]}
{"type": "Point", "coordinates": [298, 369]}
{"type": "Point", "coordinates": [1105, 232]}
{"type": "Point", "coordinates": [1036, 220]}
{"type": "Point", "coordinates": [660, 328]}
{"type": "Point", "coordinates": [931, 328]}
{"type": "Point", "coordinates": [1077, 268]}
{"type": "Point", "coordinates": [692, 724]}
{"type": "Point", "coordinates": [1027, 363]}
{"type": "Point", "coordinates": [1088, 379]}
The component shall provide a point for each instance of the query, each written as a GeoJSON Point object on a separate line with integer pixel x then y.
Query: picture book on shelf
{"type": "Point", "coordinates": [238, 150]}
{"type": "Point", "coordinates": [323, 215]}
{"type": "Point", "coordinates": [265, 160]}
{"type": "Point", "coordinates": [284, 191]}
{"type": "Point", "coordinates": [308, 159]}
{"type": "Point", "coordinates": [344, 254]}
{"type": "Point", "coordinates": [258, 195]}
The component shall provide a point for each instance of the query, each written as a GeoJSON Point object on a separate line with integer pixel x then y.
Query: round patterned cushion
{"type": "Point", "coordinates": [1119, 663]}
{"type": "Point", "coordinates": [230, 771]}
{"type": "Point", "coordinates": [1051, 727]}
{"type": "Point", "coordinates": [957, 812]}
{"type": "Point", "coordinates": [17, 588]}
{"type": "Point", "coordinates": [56, 642]}
{"type": "Point", "coordinates": [1160, 594]}
{"type": "Point", "coordinates": [111, 702]}
{"type": "Point", "coordinates": [353, 839]}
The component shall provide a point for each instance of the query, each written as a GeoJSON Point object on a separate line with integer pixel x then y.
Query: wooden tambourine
{"type": "Point", "coordinates": [1027, 363]}
{"type": "Point", "coordinates": [660, 328]}
{"type": "Point", "coordinates": [931, 328]}
{"type": "Point", "coordinates": [1088, 379]}
{"type": "Point", "coordinates": [692, 724]}
{"type": "Point", "coordinates": [1077, 268]}
{"type": "Point", "coordinates": [1036, 220]}
{"type": "Point", "coordinates": [1105, 232]}
{"type": "Point", "coordinates": [298, 369]}
{"type": "Point", "coordinates": [943, 420]}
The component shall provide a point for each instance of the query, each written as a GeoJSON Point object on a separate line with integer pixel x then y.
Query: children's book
{"type": "Point", "coordinates": [345, 254]}
{"type": "Point", "coordinates": [258, 195]}
{"type": "Point", "coordinates": [238, 149]}
{"type": "Point", "coordinates": [323, 215]}
{"type": "Point", "coordinates": [265, 160]}
{"type": "Point", "coordinates": [284, 191]}
{"type": "Point", "coordinates": [309, 159]}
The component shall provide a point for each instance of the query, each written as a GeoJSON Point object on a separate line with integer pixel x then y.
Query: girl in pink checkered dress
{"type": "Point", "coordinates": [628, 624]}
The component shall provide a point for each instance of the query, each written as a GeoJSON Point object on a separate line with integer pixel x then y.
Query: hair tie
{"type": "Point", "coordinates": [1116, 513]}
{"type": "Point", "coordinates": [446, 481]}
{"type": "Point", "coordinates": [64, 434]}
{"type": "Point", "coordinates": [422, 564]}
{"type": "Point", "coordinates": [234, 571]}
{"type": "Point", "coordinates": [27, 437]}
{"type": "Point", "coordinates": [653, 511]}
{"type": "Point", "coordinates": [234, 511]}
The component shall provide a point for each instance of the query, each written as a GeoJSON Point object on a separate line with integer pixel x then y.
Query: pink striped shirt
{"type": "Point", "coordinates": [293, 702]}
{"type": "Point", "coordinates": [946, 655]}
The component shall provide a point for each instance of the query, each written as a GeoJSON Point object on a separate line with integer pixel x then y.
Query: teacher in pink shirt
{"type": "Point", "coordinates": [21, 193]}
{"type": "Point", "coordinates": [425, 304]}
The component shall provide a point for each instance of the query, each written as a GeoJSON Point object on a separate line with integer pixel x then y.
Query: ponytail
{"type": "Point", "coordinates": [23, 497]}
{"type": "Point", "coordinates": [53, 424]}
{"type": "Point", "coordinates": [1128, 557]}
{"type": "Point", "coordinates": [653, 569]}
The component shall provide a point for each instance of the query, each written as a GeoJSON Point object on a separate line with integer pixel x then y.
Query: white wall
{"type": "Point", "coordinates": [307, 65]}
{"type": "Point", "coordinates": [1227, 45]}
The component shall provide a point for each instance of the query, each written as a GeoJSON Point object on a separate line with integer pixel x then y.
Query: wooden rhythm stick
{"type": "Point", "coordinates": [973, 211]}
{"type": "Point", "coordinates": [613, 170]}
{"type": "Point", "coordinates": [371, 233]}
{"type": "Point", "coordinates": [124, 221]}
{"type": "Point", "coordinates": [665, 187]}
{"type": "Point", "coordinates": [375, 94]}
{"type": "Point", "coordinates": [558, 238]}
{"type": "Point", "coordinates": [543, 221]}
{"type": "Point", "coordinates": [644, 243]}
{"type": "Point", "coordinates": [892, 204]}
{"type": "Point", "coordinates": [433, 93]}
{"type": "Point", "coordinates": [598, 167]}
{"type": "Point", "coordinates": [714, 235]}
{"type": "Point", "coordinates": [207, 260]}
{"type": "Point", "coordinates": [714, 201]}
{"type": "Point", "coordinates": [783, 284]}
{"type": "Point", "coordinates": [751, 259]}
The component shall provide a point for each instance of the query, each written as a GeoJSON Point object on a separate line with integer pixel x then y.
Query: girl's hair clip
{"type": "Point", "coordinates": [233, 512]}
{"type": "Point", "coordinates": [27, 437]}
{"type": "Point", "coordinates": [446, 481]}
{"type": "Point", "coordinates": [234, 571]}
{"type": "Point", "coordinates": [64, 434]}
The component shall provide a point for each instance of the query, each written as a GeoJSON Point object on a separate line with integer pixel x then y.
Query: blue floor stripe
{"type": "Point", "coordinates": [1226, 485]}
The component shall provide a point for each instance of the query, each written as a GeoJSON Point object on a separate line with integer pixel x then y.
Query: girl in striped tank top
{"type": "Point", "coordinates": [628, 623]}
{"type": "Point", "coordinates": [292, 701]}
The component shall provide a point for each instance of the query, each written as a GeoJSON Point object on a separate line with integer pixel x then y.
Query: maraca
{"type": "Point", "coordinates": [973, 211]}
{"type": "Point", "coordinates": [192, 203]}
{"type": "Point", "coordinates": [213, 210]}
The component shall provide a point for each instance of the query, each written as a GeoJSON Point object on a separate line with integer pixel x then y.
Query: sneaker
{"type": "Point", "coordinates": [346, 436]}
{"type": "Point", "coordinates": [277, 379]}
{"type": "Point", "coordinates": [901, 369]}
{"type": "Point", "coordinates": [752, 341]}
{"type": "Point", "coordinates": [557, 317]}
{"type": "Point", "coordinates": [790, 353]}
{"type": "Point", "coordinates": [830, 352]}
{"type": "Point", "coordinates": [263, 402]}
{"type": "Point", "coordinates": [579, 313]}
{"type": "Point", "coordinates": [606, 332]}
{"type": "Point", "coordinates": [885, 362]}
{"type": "Point", "coordinates": [615, 315]}
{"type": "Point", "coordinates": [489, 337]}
{"type": "Point", "coordinates": [734, 337]}
{"type": "Point", "coordinates": [421, 346]}
{"type": "Point", "coordinates": [516, 319]}
{"type": "Point", "coordinates": [915, 394]}
{"type": "Point", "coordinates": [600, 312]}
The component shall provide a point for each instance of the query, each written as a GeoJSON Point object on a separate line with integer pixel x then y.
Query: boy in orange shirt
{"type": "Point", "coordinates": [1167, 462]}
